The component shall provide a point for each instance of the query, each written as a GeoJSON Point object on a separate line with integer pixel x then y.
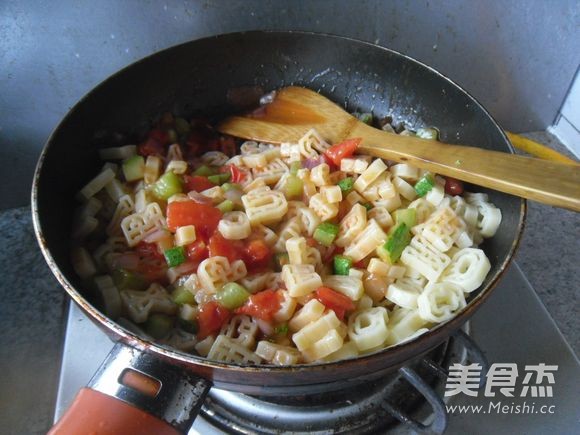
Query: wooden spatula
{"type": "Point", "coordinates": [295, 110]}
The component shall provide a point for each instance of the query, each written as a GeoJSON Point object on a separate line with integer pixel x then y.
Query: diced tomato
{"type": "Point", "coordinates": [453, 186]}
{"type": "Point", "coordinates": [262, 305]}
{"type": "Point", "coordinates": [331, 165]}
{"type": "Point", "coordinates": [152, 264]}
{"type": "Point", "coordinates": [211, 318]}
{"type": "Point", "coordinates": [145, 249]}
{"type": "Point", "coordinates": [151, 147]}
{"type": "Point", "coordinates": [205, 217]}
{"type": "Point", "coordinates": [237, 176]}
{"type": "Point", "coordinates": [335, 301]}
{"type": "Point", "coordinates": [257, 255]}
{"type": "Point", "coordinates": [311, 241]}
{"type": "Point", "coordinates": [197, 251]}
{"type": "Point", "coordinates": [221, 247]}
{"type": "Point", "coordinates": [342, 150]}
{"type": "Point", "coordinates": [197, 183]}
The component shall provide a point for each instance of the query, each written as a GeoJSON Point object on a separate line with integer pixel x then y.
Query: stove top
{"type": "Point", "coordinates": [513, 327]}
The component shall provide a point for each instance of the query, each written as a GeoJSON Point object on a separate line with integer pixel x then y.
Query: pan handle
{"type": "Point", "coordinates": [135, 392]}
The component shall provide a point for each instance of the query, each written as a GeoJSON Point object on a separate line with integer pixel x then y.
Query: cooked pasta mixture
{"type": "Point", "coordinates": [286, 254]}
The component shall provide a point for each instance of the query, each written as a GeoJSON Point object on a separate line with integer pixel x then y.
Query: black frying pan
{"type": "Point", "coordinates": [195, 78]}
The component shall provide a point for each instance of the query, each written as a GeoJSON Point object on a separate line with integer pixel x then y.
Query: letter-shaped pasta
{"type": "Point", "coordinates": [330, 343]}
{"type": "Point", "coordinates": [347, 351]}
{"type": "Point", "coordinates": [256, 160]}
{"type": "Point", "coordinates": [95, 185]}
{"type": "Point", "coordinates": [249, 147]}
{"type": "Point", "coordinates": [152, 169]}
{"type": "Point", "coordinates": [371, 193]}
{"type": "Point", "coordinates": [404, 292]}
{"type": "Point", "coordinates": [404, 323]}
{"type": "Point", "coordinates": [422, 256]}
{"type": "Point", "coordinates": [468, 269]}
{"type": "Point", "coordinates": [310, 312]}
{"type": "Point", "coordinates": [300, 253]}
{"type": "Point", "coordinates": [436, 194]}
{"type": "Point", "coordinates": [272, 172]}
{"type": "Point", "coordinates": [292, 228]}
{"type": "Point", "coordinates": [277, 354]}
{"type": "Point", "coordinates": [181, 340]}
{"type": "Point", "coordinates": [141, 200]}
{"type": "Point", "coordinates": [300, 279]}
{"type": "Point", "coordinates": [174, 153]}
{"type": "Point", "coordinates": [423, 209]}
{"type": "Point", "coordinates": [332, 194]}
{"type": "Point", "coordinates": [287, 308]}
{"type": "Point", "coordinates": [373, 172]}
{"type": "Point", "coordinates": [83, 263]}
{"type": "Point", "coordinates": [489, 219]}
{"type": "Point", "coordinates": [351, 225]}
{"type": "Point", "coordinates": [443, 228]}
{"type": "Point", "coordinates": [314, 331]}
{"type": "Point", "coordinates": [140, 303]}
{"type": "Point", "coordinates": [265, 233]}
{"type": "Point", "coordinates": [265, 206]}
{"type": "Point", "coordinates": [382, 216]}
{"type": "Point", "coordinates": [350, 286]}
{"type": "Point", "coordinates": [290, 152]}
{"type": "Point", "coordinates": [405, 189]}
{"type": "Point", "coordinates": [293, 207]}
{"type": "Point", "coordinates": [309, 219]}
{"type": "Point", "coordinates": [320, 174]}
{"type": "Point", "coordinates": [440, 301]}
{"type": "Point", "coordinates": [137, 226]}
{"type": "Point", "coordinates": [310, 143]}
{"type": "Point", "coordinates": [405, 171]}
{"type": "Point", "coordinates": [204, 346]}
{"type": "Point", "coordinates": [354, 198]}
{"type": "Point", "coordinates": [125, 207]}
{"type": "Point", "coordinates": [275, 280]}
{"type": "Point", "coordinates": [390, 204]}
{"type": "Point", "coordinates": [108, 296]}
{"type": "Point", "coordinates": [115, 190]}
{"type": "Point", "coordinates": [356, 165]}
{"type": "Point", "coordinates": [378, 267]}
{"type": "Point", "coordinates": [227, 350]}
{"type": "Point", "coordinates": [177, 167]}
{"type": "Point", "coordinates": [366, 241]}
{"type": "Point", "coordinates": [241, 329]}
{"type": "Point", "coordinates": [214, 272]}
{"type": "Point", "coordinates": [214, 158]}
{"type": "Point", "coordinates": [235, 225]}
{"type": "Point", "coordinates": [368, 328]}
{"type": "Point", "coordinates": [322, 207]}
{"type": "Point", "coordinates": [256, 282]}
{"type": "Point", "coordinates": [254, 184]}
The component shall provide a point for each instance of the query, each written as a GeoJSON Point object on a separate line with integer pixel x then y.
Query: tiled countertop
{"type": "Point", "coordinates": [32, 304]}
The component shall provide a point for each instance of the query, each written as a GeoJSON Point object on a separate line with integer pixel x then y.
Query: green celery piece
{"type": "Point", "coordinates": [175, 256]}
{"type": "Point", "coordinates": [125, 280]}
{"type": "Point", "coordinates": [398, 239]}
{"type": "Point", "coordinates": [204, 171]}
{"type": "Point", "coordinates": [219, 178]}
{"type": "Point", "coordinates": [182, 126]}
{"type": "Point", "coordinates": [430, 133]}
{"type": "Point", "coordinates": [134, 168]}
{"type": "Point", "coordinates": [294, 186]}
{"type": "Point", "coordinates": [281, 329]}
{"type": "Point", "coordinates": [232, 295]}
{"type": "Point", "coordinates": [424, 185]}
{"type": "Point", "coordinates": [280, 260]}
{"type": "Point", "coordinates": [346, 184]}
{"type": "Point", "coordinates": [181, 295]}
{"type": "Point", "coordinates": [226, 187]}
{"type": "Point", "coordinates": [342, 264]}
{"type": "Point", "coordinates": [168, 185]}
{"type": "Point", "coordinates": [225, 206]}
{"type": "Point", "coordinates": [406, 215]}
{"type": "Point", "coordinates": [325, 233]}
{"type": "Point", "coordinates": [158, 325]}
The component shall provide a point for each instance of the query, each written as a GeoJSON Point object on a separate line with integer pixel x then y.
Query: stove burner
{"type": "Point", "coordinates": [380, 406]}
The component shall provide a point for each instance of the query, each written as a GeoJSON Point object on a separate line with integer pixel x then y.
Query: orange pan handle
{"type": "Point", "coordinates": [135, 392]}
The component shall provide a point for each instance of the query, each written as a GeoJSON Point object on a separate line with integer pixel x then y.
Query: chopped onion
{"type": "Point", "coordinates": [313, 162]}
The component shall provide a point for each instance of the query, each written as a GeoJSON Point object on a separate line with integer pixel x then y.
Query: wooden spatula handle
{"type": "Point", "coordinates": [553, 183]}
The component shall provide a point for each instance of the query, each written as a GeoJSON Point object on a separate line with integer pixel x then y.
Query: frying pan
{"type": "Point", "coordinates": [196, 78]}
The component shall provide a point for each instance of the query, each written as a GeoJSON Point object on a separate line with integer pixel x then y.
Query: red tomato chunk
{"type": "Point", "coordinates": [204, 217]}
{"type": "Point", "coordinates": [212, 316]}
{"type": "Point", "coordinates": [342, 150]}
{"type": "Point", "coordinates": [197, 183]}
{"type": "Point", "coordinates": [262, 305]}
{"type": "Point", "coordinates": [335, 301]}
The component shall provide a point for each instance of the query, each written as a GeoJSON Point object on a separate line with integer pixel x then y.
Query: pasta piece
{"type": "Point", "coordinates": [275, 280]}
{"type": "Point", "coordinates": [355, 165]}
{"type": "Point", "coordinates": [405, 189]}
{"type": "Point", "coordinates": [214, 158]}
{"type": "Point", "coordinates": [82, 227]}
{"type": "Point", "coordinates": [216, 271]}
{"type": "Point", "coordinates": [291, 229]}
{"type": "Point", "coordinates": [319, 175]}
{"type": "Point", "coordinates": [440, 301]}
{"type": "Point", "coordinates": [332, 194]}
{"type": "Point", "coordinates": [115, 190]}
{"type": "Point", "coordinates": [141, 200]}
{"type": "Point", "coordinates": [488, 220]}
{"type": "Point", "coordinates": [118, 153]}
{"type": "Point", "coordinates": [249, 147]}
{"type": "Point", "coordinates": [403, 324]}
{"type": "Point", "coordinates": [188, 312]}
{"type": "Point", "coordinates": [290, 152]}
{"type": "Point", "coordinates": [350, 286]}
{"type": "Point", "coordinates": [272, 172]}
{"type": "Point", "coordinates": [174, 153]}
{"type": "Point", "coordinates": [264, 206]}
{"type": "Point", "coordinates": [125, 207]}
{"type": "Point", "coordinates": [371, 193]}
{"type": "Point", "coordinates": [277, 354]}
{"type": "Point", "coordinates": [436, 194]}
{"type": "Point", "coordinates": [95, 185]}
{"type": "Point", "coordinates": [404, 292]}
{"type": "Point", "coordinates": [254, 184]}
{"type": "Point", "coordinates": [366, 241]}
{"type": "Point", "coordinates": [468, 269]}
{"type": "Point", "coordinates": [308, 187]}
{"type": "Point", "coordinates": [375, 169]}
{"type": "Point", "coordinates": [83, 263]}
{"type": "Point", "coordinates": [311, 144]}
{"type": "Point", "coordinates": [310, 312]}
{"type": "Point", "coordinates": [137, 226]}
{"type": "Point", "coordinates": [287, 308]}
{"type": "Point", "coordinates": [300, 253]}
{"type": "Point", "coordinates": [177, 167]}
{"type": "Point", "coordinates": [354, 198]}
{"type": "Point", "coordinates": [382, 216]}
{"type": "Point", "coordinates": [266, 234]}
{"type": "Point", "coordinates": [185, 235]}
{"type": "Point", "coordinates": [347, 351]}
{"type": "Point", "coordinates": [255, 160]}
{"type": "Point", "coordinates": [330, 343]}
{"type": "Point", "coordinates": [294, 207]}
{"type": "Point", "coordinates": [235, 225]}
{"type": "Point", "coordinates": [365, 302]}
{"type": "Point", "coordinates": [378, 267]}
{"type": "Point", "coordinates": [405, 171]}
{"type": "Point", "coordinates": [242, 329]}
{"type": "Point", "coordinates": [203, 347]}
{"type": "Point", "coordinates": [423, 209]}
{"type": "Point", "coordinates": [108, 296]}
{"type": "Point", "coordinates": [322, 207]}
{"type": "Point", "coordinates": [316, 330]}
{"type": "Point", "coordinates": [180, 339]}
{"type": "Point", "coordinates": [368, 328]}
{"type": "Point", "coordinates": [216, 194]}
{"type": "Point", "coordinates": [351, 225]}
{"type": "Point", "coordinates": [443, 228]}
{"type": "Point", "coordinates": [356, 273]}
{"type": "Point", "coordinates": [390, 204]}
{"type": "Point", "coordinates": [300, 279]}
{"type": "Point", "coordinates": [152, 169]}
{"type": "Point", "coordinates": [309, 219]}
{"type": "Point", "coordinates": [257, 282]}
{"type": "Point", "coordinates": [227, 350]}
{"type": "Point", "coordinates": [397, 271]}
{"type": "Point", "coordinates": [139, 304]}
{"type": "Point", "coordinates": [422, 256]}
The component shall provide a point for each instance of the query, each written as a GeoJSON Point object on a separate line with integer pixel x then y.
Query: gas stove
{"type": "Point", "coordinates": [513, 328]}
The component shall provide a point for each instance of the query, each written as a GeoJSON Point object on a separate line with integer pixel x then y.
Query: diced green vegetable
{"type": "Point", "coordinates": [367, 205]}
{"type": "Point", "coordinates": [346, 184]}
{"type": "Point", "coordinates": [280, 260]}
{"type": "Point", "coordinates": [226, 187]}
{"type": "Point", "coordinates": [181, 295]}
{"type": "Point", "coordinates": [367, 118]}
{"type": "Point", "coordinates": [281, 329]}
{"type": "Point", "coordinates": [188, 326]}
{"type": "Point", "coordinates": [294, 167]}
{"type": "Point", "coordinates": [134, 168]}
{"type": "Point", "coordinates": [406, 215]}
{"type": "Point", "coordinates": [158, 325]}
{"type": "Point", "coordinates": [325, 233]}
{"type": "Point", "coordinates": [182, 126]}
{"type": "Point", "coordinates": [232, 295]}
{"type": "Point", "coordinates": [175, 256]}
{"type": "Point", "coordinates": [204, 171]}
{"type": "Point", "coordinates": [219, 178]}
{"type": "Point", "coordinates": [424, 185]}
{"type": "Point", "coordinates": [427, 133]}
{"type": "Point", "coordinates": [342, 264]}
{"type": "Point", "coordinates": [294, 187]}
{"type": "Point", "coordinates": [225, 206]}
{"type": "Point", "coordinates": [168, 185]}
{"type": "Point", "coordinates": [125, 280]}
{"type": "Point", "coordinates": [398, 239]}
